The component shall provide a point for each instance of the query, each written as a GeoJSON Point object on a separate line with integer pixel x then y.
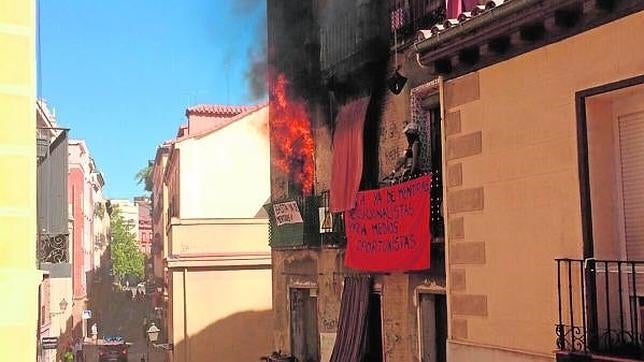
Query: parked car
{"type": "Point", "coordinates": [114, 349]}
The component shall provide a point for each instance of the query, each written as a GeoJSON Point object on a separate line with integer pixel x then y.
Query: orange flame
{"type": "Point", "coordinates": [291, 137]}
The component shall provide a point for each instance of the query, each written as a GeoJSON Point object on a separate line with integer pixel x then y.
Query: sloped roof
{"type": "Point", "coordinates": [215, 126]}
{"type": "Point", "coordinates": [217, 110]}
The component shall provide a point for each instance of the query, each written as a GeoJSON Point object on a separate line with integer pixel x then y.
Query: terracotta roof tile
{"type": "Point", "coordinates": [222, 122]}
{"type": "Point", "coordinates": [448, 24]}
{"type": "Point", "coordinates": [217, 110]}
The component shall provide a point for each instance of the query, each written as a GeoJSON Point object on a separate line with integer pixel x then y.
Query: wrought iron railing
{"type": "Point", "coordinates": [409, 16]}
{"type": "Point", "coordinates": [352, 33]}
{"type": "Point", "coordinates": [599, 307]}
{"type": "Point", "coordinates": [54, 248]}
{"type": "Point", "coordinates": [303, 234]}
{"type": "Point", "coordinates": [332, 233]}
{"type": "Point", "coordinates": [320, 226]}
{"type": "Point", "coordinates": [437, 222]}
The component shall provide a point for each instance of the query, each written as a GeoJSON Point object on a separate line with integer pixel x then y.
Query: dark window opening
{"type": "Point", "coordinates": [374, 329]}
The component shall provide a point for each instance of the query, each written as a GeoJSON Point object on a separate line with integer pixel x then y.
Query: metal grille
{"type": "Point", "coordinates": [296, 235]}
{"type": "Point", "coordinates": [54, 248]}
{"type": "Point", "coordinates": [599, 309]}
{"type": "Point", "coordinates": [409, 16]}
{"type": "Point", "coordinates": [331, 224]}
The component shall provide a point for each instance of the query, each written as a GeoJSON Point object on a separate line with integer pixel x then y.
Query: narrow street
{"type": "Point", "coordinates": [116, 314]}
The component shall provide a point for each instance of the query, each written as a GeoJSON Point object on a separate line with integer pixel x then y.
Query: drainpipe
{"type": "Point", "coordinates": [185, 318]}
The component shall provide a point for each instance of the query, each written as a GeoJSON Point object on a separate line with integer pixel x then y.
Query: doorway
{"type": "Point", "coordinates": [374, 329]}
{"type": "Point", "coordinates": [304, 325]}
{"type": "Point", "coordinates": [432, 321]}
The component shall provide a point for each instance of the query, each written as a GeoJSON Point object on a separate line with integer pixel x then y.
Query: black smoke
{"type": "Point", "coordinates": [256, 74]}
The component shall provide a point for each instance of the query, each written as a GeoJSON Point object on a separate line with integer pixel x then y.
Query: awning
{"type": "Point", "coordinates": [346, 166]}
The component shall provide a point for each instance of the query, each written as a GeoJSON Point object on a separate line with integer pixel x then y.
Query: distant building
{"type": "Point", "coordinates": [129, 210]}
{"type": "Point", "coordinates": [145, 224]}
{"type": "Point", "coordinates": [84, 190]}
{"type": "Point", "coordinates": [159, 222]}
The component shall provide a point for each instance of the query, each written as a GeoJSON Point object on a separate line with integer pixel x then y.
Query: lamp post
{"type": "Point", "coordinates": [153, 335]}
{"type": "Point", "coordinates": [62, 306]}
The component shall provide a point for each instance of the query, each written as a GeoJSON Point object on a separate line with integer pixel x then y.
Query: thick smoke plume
{"type": "Point", "coordinates": [256, 76]}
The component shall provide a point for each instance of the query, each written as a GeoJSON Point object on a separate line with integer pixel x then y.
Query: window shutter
{"type": "Point", "coordinates": [631, 137]}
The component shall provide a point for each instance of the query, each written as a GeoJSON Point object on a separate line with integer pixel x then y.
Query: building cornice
{"type": "Point", "coordinates": [221, 261]}
{"type": "Point", "coordinates": [514, 28]}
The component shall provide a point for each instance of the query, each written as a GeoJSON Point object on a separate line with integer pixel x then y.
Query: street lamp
{"type": "Point", "coordinates": [62, 306]}
{"type": "Point", "coordinates": [153, 335]}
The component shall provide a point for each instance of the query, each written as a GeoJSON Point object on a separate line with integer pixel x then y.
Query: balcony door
{"type": "Point", "coordinates": [631, 152]}
{"type": "Point", "coordinates": [432, 323]}
{"type": "Point", "coordinates": [614, 228]}
{"type": "Point", "coordinates": [304, 325]}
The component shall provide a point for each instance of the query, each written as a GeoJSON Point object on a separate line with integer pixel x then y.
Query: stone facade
{"type": "Point", "coordinates": [323, 270]}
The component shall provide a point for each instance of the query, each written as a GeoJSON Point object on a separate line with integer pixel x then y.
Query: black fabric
{"type": "Point", "coordinates": [350, 342]}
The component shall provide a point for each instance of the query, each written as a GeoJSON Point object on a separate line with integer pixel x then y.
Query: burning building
{"type": "Point", "coordinates": [336, 129]}
{"type": "Point", "coordinates": [511, 234]}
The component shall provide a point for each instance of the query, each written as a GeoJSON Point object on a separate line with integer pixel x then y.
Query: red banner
{"type": "Point", "coordinates": [388, 230]}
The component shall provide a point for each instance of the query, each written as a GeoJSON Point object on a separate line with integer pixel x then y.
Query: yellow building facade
{"type": "Point", "coordinates": [209, 205]}
{"type": "Point", "coordinates": [18, 272]}
{"type": "Point", "coordinates": [513, 191]}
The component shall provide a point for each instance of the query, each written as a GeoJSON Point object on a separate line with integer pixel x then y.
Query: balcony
{"type": "Point", "coordinates": [305, 233]}
{"type": "Point", "coordinates": [600, 309]}
{"type": "Point", "coordinates": [53, 248]}
{"type": "Point", "coordinates": [53, 255]}
{"type": "Point", "coordinates": [319, 226]}
{"type": "Point", "coordinates": [352, 35]}
{"type": "Point", "coordinates": [409, 16]}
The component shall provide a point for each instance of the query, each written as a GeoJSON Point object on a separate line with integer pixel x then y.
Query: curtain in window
{"type": "Point", "coordinates": [351, 340]}
{"type": "Point", "coordinates": [346, 165]}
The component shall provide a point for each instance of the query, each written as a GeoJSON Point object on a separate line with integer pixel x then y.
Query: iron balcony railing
{"type": "Point", "coordinates": [409, 16]}
{"type": "Point", "coordinates": [599, 307]}
{"type": "Point", "coordinates": [53, 248]}
{"type": "Point", "coordinates": [437, 222]}
{"type": "Point", "coordinates": [352, 34]}
{"type": "Point", "coordinates": [320, 227]}
{"type": "Point", "coordinates": [304, 234]}
{"type": "Point", "coordinates": [332, 233]}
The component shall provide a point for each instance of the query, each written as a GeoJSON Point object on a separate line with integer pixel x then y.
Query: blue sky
{"type": "Point", "coordinates": [121, 73]}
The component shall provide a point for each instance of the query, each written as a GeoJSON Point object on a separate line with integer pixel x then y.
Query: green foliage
{"type": "Point", "coordinates": [144, 176]}
{"type": "Point", "coordinates": [127, 260]}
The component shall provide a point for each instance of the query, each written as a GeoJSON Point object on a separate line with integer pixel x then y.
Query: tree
{"type": "Point", "coordinates": [127, 260]}
{"type": "Point", "coordinates": [144, 176]}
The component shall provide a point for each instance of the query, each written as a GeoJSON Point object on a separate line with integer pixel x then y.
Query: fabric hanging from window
{"type": "Point", "coordinates": [351, 340]}
{"type": "Point", "coordinates": [346, 165]}
{"type": "Point", "coordinates": [456, 7]}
